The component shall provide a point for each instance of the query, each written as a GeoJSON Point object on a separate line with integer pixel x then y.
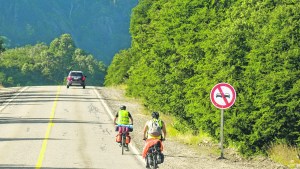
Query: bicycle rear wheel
{"type": "Point", "coordinates": [123, 143]}
{"type": "Point", "coordinates": [154, 163]}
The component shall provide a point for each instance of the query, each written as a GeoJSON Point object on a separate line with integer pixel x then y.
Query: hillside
{"type": "Point", "coordinates": [98, 27]}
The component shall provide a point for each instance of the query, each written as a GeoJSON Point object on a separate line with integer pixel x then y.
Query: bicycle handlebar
{"type": "Point", "coordinates": [162, 139]}
{"type": "Point", "coordinates": [125, 125]}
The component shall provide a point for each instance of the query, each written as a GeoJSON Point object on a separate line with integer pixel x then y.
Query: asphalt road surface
{"type": "Point", "coordinates": [53, 127]}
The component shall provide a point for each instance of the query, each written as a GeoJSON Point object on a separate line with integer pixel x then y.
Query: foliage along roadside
{"type": "Point", "coordinates": [48, 65]}
{"type": "Point", "coordinates": [182, 48]}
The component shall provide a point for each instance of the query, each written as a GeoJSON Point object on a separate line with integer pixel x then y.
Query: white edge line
{"type": "Point", "coordinates": [7, 103]}
{"type": "Point", "coordinates": [133, 148]}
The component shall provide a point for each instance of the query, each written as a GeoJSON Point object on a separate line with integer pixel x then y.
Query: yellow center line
{"type": "Point", "coordinates": [50, 125]}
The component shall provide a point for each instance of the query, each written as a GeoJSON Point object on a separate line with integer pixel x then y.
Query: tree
{"type": "Point", "coordinates": [2, 48]}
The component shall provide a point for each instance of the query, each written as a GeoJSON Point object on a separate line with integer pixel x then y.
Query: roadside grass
{"type": "Point", "coordinates": [285, 154]}
{"type": "Point", "coordinates": [188, 137]}
{"type": "Point", "coordinates": [122, 87]}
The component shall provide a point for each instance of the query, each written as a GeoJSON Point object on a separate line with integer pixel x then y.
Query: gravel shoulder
{"type": "Point", "coordinates": [178, 155]}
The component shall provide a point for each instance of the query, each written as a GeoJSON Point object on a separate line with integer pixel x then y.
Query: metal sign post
{"type": "Point", "coordinates": [222, 96]}
{"type": "Point", "coordinates": [221, 134]}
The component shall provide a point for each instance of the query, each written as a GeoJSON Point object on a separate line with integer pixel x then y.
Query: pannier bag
{"type": "Point", "coordinates": [119, 138]}
{"type": "Point", "coordinates": [128, 139]}
{"type": "Point", "coordinates": [160, 158]}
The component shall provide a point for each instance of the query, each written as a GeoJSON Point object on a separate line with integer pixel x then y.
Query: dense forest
{"type": "Point", "coordinates": [41, 64]}
{"type": "Point", "coordinates": [181, 48]}
{"type": "Point", "coordinates": [100, 27]}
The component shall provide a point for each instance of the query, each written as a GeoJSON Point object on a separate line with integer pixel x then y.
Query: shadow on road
{"type": "Point", "coordinates": [44, 96]}
{"type": "Point", "coordinates": [14, 166]}
{"type": "Point", "coordinates": [181, 156]}
{"type": "Point", "coordinates": [166, 156]}
{"type": "Point", "coordinates": [10, 120]}
{"type": "Point", "coordinates": [26, 139]}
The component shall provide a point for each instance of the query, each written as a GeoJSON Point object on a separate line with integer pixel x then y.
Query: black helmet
{"type": "Point", "coordinates": [123, 107]}
{"type": "Point", "coordinates": [155, 115]}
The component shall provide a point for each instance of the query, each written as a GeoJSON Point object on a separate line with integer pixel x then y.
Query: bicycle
{"type": "Point", "coordinates": [125, 129]}
{"type": "Point", "coordinates": [154, 155]}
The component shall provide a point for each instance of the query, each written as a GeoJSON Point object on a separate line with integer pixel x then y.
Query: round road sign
{"type": "Point", "coordinates": [223, 95]}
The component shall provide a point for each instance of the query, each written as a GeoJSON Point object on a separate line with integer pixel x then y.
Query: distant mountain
{"type": "Point", "coordinates": [100, 27]}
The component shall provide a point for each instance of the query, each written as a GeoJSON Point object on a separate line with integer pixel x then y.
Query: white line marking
{"type": "Point", "coordinates": [10, 100]}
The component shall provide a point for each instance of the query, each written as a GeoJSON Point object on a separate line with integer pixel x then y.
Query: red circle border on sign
{"type": "Point", "coordinates": [228, 104]}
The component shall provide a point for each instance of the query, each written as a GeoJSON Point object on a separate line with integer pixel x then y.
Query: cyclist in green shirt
{"type": "Point", "coordinates": [123, 116]}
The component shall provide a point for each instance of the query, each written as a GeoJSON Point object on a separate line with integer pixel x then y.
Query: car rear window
{"type": "Point", "coordinates": [76, 74]}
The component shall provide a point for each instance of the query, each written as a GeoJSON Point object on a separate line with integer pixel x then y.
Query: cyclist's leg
{"type": "Point", "coordinates": [126, 129]}
{"type": "Point", "coordinates": [128, 139]}
{"type": "Point", "coordinates": [120, 134]}
{"type": "Point", "coordinates": [120, 129]}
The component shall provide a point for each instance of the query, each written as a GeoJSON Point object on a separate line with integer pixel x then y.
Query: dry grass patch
{"type": "Point", "coordinates": [284, 154]}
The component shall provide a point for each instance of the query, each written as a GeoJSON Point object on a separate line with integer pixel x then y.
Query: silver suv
{"type": "Point", "coordinates": [76, 78]}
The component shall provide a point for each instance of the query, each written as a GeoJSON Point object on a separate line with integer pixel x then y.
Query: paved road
{"type": "Point", "coordinates": [55, 127]}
